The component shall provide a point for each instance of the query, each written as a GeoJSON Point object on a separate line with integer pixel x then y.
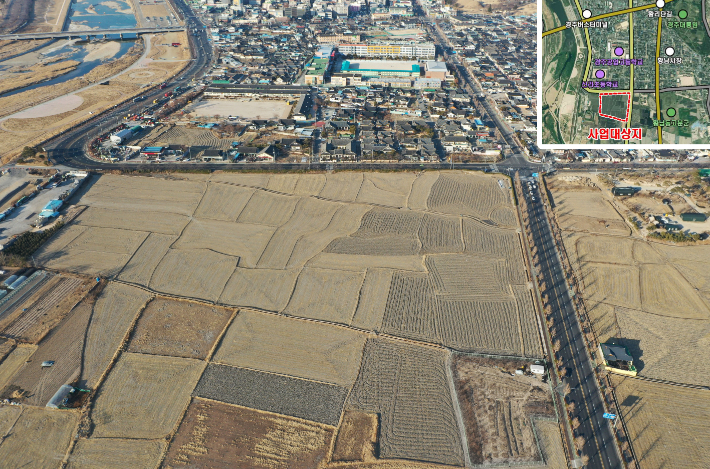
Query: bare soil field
{"type": "Point", "coordinates": [140, 398]}
{"type": "Point", "coordinates": [276, 344]}
{"type": "Point", "coordinates": [481, 7]}
{"type": "Point", "coordinates": [497, 411]}
{"type": "Point", "coordinates": [407, 386]}
{"type": "Point", "coordinates": [64, 345]}
{"type": "Point", "coordinates": [244, 108]}
{"type": "Point", "coordinates": [668, 425]}
{"type": "Point", "coordinates": [309, 400]}
{"type": "Point", "coordinates": [357, 437]}
{"type": "Point", "coordinates": [178, 328]}
{"type": "Point", "coordinates": [15, 360]}
{"type": "Point", "coordinates": [217, 435]}
{"type": "Point", "coordinates": [39, 436]}
{"type": "Point", "coordinates": [181, 135]}
{"type": "Point", "coordinates": [116, 453]}
{"type": "Point", "coordinates": [115, 312]}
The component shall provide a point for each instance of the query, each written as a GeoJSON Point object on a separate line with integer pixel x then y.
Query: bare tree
{"type": "Point", "coordinates": [579, 442]}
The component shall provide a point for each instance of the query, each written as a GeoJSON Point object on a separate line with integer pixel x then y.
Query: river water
{"type": "Point", "coordinates": [101, 14]}
{"type": "Point", "coordinates": [74, 51]}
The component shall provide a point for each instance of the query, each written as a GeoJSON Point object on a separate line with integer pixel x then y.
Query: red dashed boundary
{"type": "Point", "coordinates": [628, 106]}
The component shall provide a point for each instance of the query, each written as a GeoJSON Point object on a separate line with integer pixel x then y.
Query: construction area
{"type": "Point", "coordinates": [188, 296]}
{"type": "Point", "coordinates": [248, 109]}
{"type": "Point", "coordinates": [649, 293]}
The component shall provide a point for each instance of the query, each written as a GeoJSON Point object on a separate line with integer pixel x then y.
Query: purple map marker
{"type": "Point", "coordinates": [600, 74]}
{"type": "Point", "coordinates": [619, 51]}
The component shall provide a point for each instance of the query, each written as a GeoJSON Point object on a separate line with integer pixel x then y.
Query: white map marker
{"type": "Point", "coordinates": [670, 51]}
{"type": "Point", "coordinates": [660, 3]}
{"type": "Point", "coordinates": [588, 13]}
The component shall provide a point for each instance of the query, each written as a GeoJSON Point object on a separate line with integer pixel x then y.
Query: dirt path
{"type": "Point", "coordinates": [57, 100]}
{"type": "Point", "coordinates": [457, 411]}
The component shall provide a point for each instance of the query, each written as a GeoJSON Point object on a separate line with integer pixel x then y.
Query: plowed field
{"type": "Point", "coordinates": [214, 434]}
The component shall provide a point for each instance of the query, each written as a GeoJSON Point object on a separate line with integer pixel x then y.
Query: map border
{"type": "Point", "coordinates": [591, 146]}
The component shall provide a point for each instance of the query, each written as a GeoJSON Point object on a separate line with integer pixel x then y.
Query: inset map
{"type": "Point", "coordinates": [624, 72]}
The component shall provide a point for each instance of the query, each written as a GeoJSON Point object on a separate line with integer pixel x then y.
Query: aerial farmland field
{"type": "Point", "coordinates": [289, 321]}
{"type": "Point", "coordinates": [649, 295]}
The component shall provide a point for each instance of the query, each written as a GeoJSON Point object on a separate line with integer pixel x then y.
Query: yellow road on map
{"type": "Point", "coordinates": [604, 15]}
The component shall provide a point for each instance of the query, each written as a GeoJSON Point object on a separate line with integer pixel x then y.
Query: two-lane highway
{"type": "Point", "coordinates": [600, 445]}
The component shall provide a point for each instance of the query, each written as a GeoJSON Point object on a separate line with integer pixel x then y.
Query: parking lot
{"type": "Point", "coordinates": [21, 219]}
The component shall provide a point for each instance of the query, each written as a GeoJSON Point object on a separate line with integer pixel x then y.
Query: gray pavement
{"type": "Point", "coordinates": [600, 445]}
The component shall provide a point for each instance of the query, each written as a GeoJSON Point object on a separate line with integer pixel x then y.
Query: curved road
{"type": "Point", "coordinates": [69, 149]}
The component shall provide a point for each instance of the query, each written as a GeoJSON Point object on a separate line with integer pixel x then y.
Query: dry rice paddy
{"type": "Point", "coordinates": [214, 434]}
{"type": "Point", "coordinates": [407, 385]}
{"type": "Point", "coordinates": [276, 344]}
{"type": "Point", "coordinates": [308, 400]}
{"type": "Point", "coordinates": [178, 328]}
{"type": "Point", "coordinates": [39, 438]}
{"type": "Point", "coordinates": [669, 425]}
{"type": "Point", "coordinates": [116, 453]}
{"type": "Point", "coordinates": [140, 398]}
{"type": "Point", "coordinates": [357, 437]}
{"type": "Point", "coordinates": [652, 298]}
{"type": "Point", "coordinates": [267, 289]}
{"type": "Point", "coordinates": [326, 261]}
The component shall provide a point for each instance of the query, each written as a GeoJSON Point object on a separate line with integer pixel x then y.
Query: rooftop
{"type": "Point", "coordinates": [380, 66]}
{"type": "Point", "coordinates": [615, 353]}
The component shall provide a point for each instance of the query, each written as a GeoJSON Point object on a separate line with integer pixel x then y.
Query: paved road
{"type": "Point", "coordinates": [600, 443]}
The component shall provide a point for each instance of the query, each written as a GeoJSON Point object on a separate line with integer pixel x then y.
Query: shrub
{"type": "Point", "coordinates": [27, 243]}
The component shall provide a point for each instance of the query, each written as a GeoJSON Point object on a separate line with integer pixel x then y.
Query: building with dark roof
{"type": "Point", "coordinates": [617, 359]}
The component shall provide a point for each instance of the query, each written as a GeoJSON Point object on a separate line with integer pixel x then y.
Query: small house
{"type": "Point", "coordinates": [617, 359]}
